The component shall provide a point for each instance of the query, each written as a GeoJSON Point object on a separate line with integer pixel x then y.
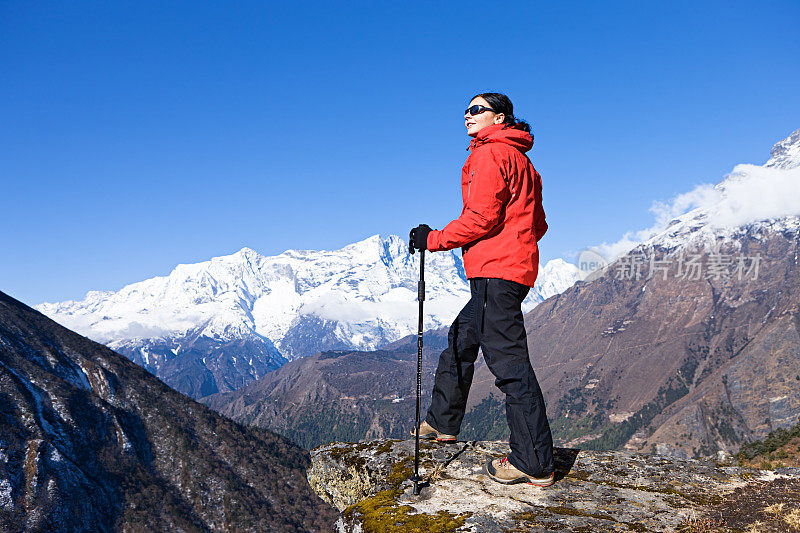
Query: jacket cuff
{"type": "Point", "coordinates": [432, 240]}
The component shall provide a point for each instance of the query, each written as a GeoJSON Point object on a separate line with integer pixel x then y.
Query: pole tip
{"type": "Point", "coordinates": [418, 484]}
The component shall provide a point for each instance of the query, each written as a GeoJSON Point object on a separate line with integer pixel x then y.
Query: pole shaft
{"type": "Point", "coordinates": [421, 298]}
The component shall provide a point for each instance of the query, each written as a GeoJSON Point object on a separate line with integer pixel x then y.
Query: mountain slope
{"type": "Point", "coordinates": [337, 395]}
{"type": "Point", "coordinates": [688, 366]}
{"type": "Point", "coordinates": [217, 325]}
{"type": "Point", "coordinates": [89, 441]}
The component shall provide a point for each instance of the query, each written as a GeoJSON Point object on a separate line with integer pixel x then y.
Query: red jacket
{"type": "Point", "coordinates": [503, 218]}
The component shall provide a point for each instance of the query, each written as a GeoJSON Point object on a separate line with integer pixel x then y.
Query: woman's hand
{"type": "Point", "coordinates": [419, 237]}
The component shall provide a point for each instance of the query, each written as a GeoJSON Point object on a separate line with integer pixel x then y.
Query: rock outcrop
{"type": "Point", "coordinates": [595, 491]}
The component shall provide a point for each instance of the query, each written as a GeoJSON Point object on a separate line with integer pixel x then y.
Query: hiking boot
{"type": "Point", "coordinates": [502, 471]}
{"type": "Point", "coordinates": [426, 431]}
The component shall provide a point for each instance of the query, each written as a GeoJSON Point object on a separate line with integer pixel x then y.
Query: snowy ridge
{"type": "Point", "coordinates": [786, 153]}
{"type": "Point", "coordinates": [693, 231]}
{"type": "Point", "coordinates": [363, 295]}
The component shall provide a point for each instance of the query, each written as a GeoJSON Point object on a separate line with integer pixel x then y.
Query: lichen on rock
{"type": "Point", "coordinates": [595, 491]}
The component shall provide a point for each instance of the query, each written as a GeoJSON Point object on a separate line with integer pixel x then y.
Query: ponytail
{"type": "Point", "coordinates": [518, 124]}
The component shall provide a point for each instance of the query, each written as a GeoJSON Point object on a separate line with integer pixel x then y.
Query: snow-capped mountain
{"type": "Point", "coordinates": [750, 196]}
{"type": "Point", "coordinates": [750, 199]}
{"type": "Point", "coordinates": [290, 305]}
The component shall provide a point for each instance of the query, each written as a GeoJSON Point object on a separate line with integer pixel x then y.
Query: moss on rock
{"type": "Point", "coordinates": [382, 513]}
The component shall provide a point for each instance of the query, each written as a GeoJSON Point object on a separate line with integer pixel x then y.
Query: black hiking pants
{"type": "Point", "coordinates": [492, 320]}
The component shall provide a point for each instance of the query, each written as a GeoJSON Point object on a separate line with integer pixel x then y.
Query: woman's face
{"type": "Point", "coordinates": [476, 123]}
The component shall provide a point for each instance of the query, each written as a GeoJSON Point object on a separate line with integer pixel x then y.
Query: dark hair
{"type": "Point", "coordinates": [502, 104]}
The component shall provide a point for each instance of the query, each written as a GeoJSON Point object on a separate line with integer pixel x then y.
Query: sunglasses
{"type": "Point", "coordinates": [477, 110]}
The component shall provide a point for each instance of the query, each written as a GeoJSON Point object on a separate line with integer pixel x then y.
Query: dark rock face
{"type": "Point", "coordinates": [89, 441]}
{"type": "Point", "coordinates": [310, 334]}
{"type": "Point", "coordinates": [198, 366]}
{"type": "Point", "coordinates": [594, 491]}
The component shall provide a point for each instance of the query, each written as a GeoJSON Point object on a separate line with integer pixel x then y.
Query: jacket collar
{"type": "Point", "coordinates": [504, 133]}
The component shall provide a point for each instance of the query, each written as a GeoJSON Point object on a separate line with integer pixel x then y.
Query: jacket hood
{"type": "Point", "coordinates": [503, 133]}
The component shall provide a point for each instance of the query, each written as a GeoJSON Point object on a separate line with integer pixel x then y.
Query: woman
{"type": "Point", "coordinates": [498, 230]}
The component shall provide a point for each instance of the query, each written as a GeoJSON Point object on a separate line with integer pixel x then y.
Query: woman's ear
{"type": "Point", "coordinates": [499, 118]}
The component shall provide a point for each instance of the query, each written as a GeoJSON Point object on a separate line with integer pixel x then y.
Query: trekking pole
{"type": "Point", "coordinates": [421, 297]}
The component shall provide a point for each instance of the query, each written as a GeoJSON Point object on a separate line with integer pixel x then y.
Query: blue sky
{"type": "Point", "coordinates": [138, 135]}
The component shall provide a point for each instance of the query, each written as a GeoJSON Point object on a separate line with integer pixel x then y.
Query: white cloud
{"type": "Point", "coordinates": [748, 194]}
{"type": "Point", "coordinates": [756, 193]}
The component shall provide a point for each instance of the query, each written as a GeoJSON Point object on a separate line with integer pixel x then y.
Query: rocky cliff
{"type": "Point", "coordinates": [594, 491]}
